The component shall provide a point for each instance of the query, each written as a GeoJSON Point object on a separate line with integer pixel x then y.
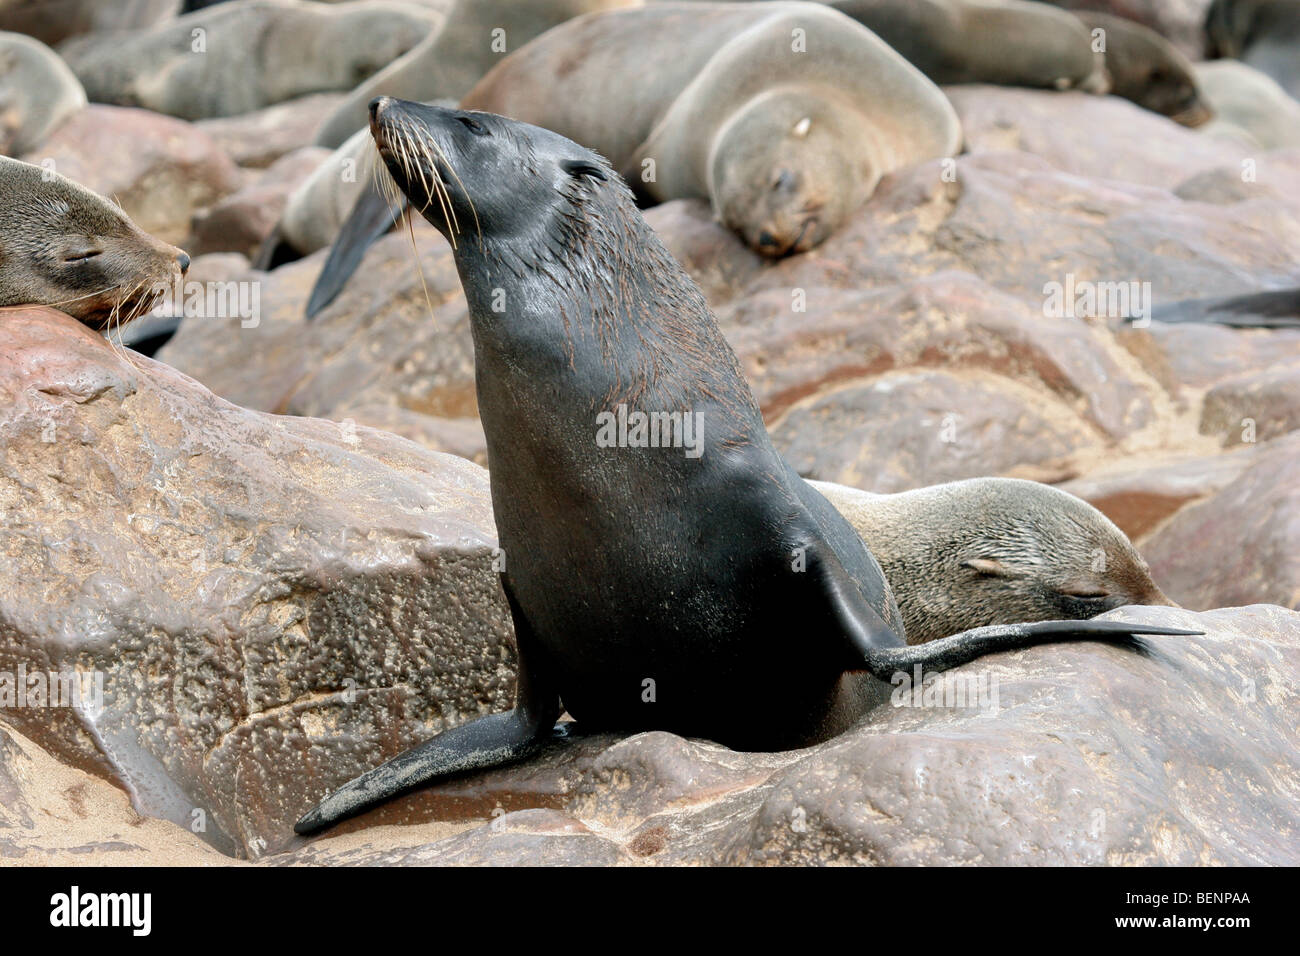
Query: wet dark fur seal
{"type": "Point", "coordinates": [650, 587]}
{"type": "Point", "coordinates": [967, 554]}
{"type": "Point", "coordinates": [64, 246]}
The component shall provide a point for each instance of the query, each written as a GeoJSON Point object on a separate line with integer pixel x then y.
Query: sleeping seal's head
{"type": "Point", "coordinates": [482, 178]}
{"type": "Point", "coordinates": [64, 246]}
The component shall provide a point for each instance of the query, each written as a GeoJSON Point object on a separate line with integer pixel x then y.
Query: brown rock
{"type": "Point", "coordinates": [272, 603]}
{"type": "Point", "coordinates": [259, 138]}
{"type": "Point", "coordinates": [1241, 544]}
{"type": "Point", "coordinates": [161, 170]}
{"type": "Point", "coordinates": [241, 221]}
{"type": "Point", "coordinates": [1253, 407]}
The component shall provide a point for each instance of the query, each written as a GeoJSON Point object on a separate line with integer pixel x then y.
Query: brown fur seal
{"type": "Point", "coordinates": [783, 115]}
{"type": "Point", "coordinates": [967, 554]}
{"type": "Point", "coordinates": [477, 34]}
{"type": "Point", "coordinates": [1006, 43]}
{"type": "Point", "coordinates": [1264, 34]}
{"type": "Point", "coordinates": [37, 93]}
{"type": "Point", "coordinates": [62, 245]}
{"type": "Point", "coordinates": [1144, 67]}
{"type": "Point", "coordinates": [239, 57]}
{"type": "Point", "coordinates": [665, 567]}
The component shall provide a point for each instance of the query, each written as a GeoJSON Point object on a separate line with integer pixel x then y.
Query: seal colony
{"type": "Point", "coordinates": [784, 116]}
{"type": "Point", "coordinates": [649, 589]}
{"type": "Point", "coordinates": [64, 246]}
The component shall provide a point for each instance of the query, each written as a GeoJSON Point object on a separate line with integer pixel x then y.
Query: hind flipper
{"type": "Point", "coordinates": [871, 645]}
{"type": "Point", "coordinates": [371, 218]}
{"type": "Point", "coordinates": [484, 742]}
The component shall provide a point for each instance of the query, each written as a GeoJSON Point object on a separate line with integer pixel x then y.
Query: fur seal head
{"type": "Point", "coordinates": [1147, 69]}
{"type": "Point", "coordinates": [788, 169]}
{"type": "Point", "coordinates": [64, 246]}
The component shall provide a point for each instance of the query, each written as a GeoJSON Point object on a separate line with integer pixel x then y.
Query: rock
{"type": "Point", "coordinates": [1240, 544]}
{"type": "Point", "coordinates": [55, 815]}
{"type": "Point", "coordinates": [159, 169]}
{"type": "Point", "coordinates": [1105, 137]}
{"type": "Point", "coordinates": [238, 57]}
{"type": "Point", "coordinates": [1076, 754]}
{"type": "Point", "coordinates": [241, 221]}
{"type": "Point", "coordinates": [1253, 407]}
{"type": "Point", "coordinates": [1139, 497]}
{"type": "Point", "coordinates": [259, 138]}
{"type": "Point", "coordinates": [272, 603]}
{"type": "Point", "coordinates": [37, 93]}
{"type": "Point", "coordinates": [1196, 356]}
{"type": "Point", "coordinates": [911, 428]}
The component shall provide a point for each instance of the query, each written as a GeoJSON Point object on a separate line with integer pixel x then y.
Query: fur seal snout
{"type": "Point", "coordinates": [652, 585]}
{"type": "Point", "coordinates": [64, 246]}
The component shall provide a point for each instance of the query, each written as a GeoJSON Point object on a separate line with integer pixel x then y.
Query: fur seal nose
{"type": "Point", "coordinates": [183, 260]}
{"type": "Point", "coordinates": [378, 105]}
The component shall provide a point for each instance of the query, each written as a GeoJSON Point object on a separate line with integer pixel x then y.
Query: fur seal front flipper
{"type": "Point", "coordinates": [1278, 309]}
{"type": "Point", "coordinates": [670, 585]}
{"type": "Point", "coordinates": [371, 218]}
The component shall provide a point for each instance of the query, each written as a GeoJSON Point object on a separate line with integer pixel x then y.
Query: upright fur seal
{"type": "Point", "coordinates": [663, 576]}
{"type": "Point", "coordinates": [64, 246]}
{"type": "Point", "coordinates": [37, 93]}
{"type": "Point", "coordinates": [783, 115]}
{"type": "Point", "coordinates": [967, 554]}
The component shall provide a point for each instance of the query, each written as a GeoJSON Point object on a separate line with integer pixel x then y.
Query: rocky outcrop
{"type": "Point", "coordinates": [271, 604]}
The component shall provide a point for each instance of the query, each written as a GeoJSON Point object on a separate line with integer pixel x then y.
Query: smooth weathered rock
{"type": "Point", "coordinates": [241, 221]}
{"type": "Point", "coordinates": [911, 428]}
{"type": "Point", "coordinates": [1253, 407]}
{"type": "Point", "coordinates": [160, 170]}
{"type": "Point", "coordinates": [272, 603]}
{"type": "Point", "coordinates": [259, 138]}
{"type": "Point", "coordinates": [1083, 753]}
{"type": "Point", "coordinates": [1241, 544]}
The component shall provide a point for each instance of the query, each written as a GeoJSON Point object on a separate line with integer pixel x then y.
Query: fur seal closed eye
{"type": "Point", "coordinates": [657, 579]}
{"type": "Point", "coordinates": [967, 554]}
{"type": "Point", "coordinates": [784, 116]}
{"type": "Point", "coordinates": [64, 246]}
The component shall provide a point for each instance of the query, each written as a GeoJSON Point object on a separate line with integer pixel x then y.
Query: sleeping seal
{"type": "Point", "coordinates": [783, 115]}
{"type": "Point", "coordinates": [62, 245]}
{"type": "Point", "coordinates": [665, 567]}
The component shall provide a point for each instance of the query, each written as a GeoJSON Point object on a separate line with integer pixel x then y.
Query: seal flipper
{"type": "Point", "coordinates": [1276, 309]}
{"type": "Point", "coordinates": [483, 742]}
{"type": "Point", "coordinates": [879, 650]}
{"type": "Point", "coordinates": [371, 217]}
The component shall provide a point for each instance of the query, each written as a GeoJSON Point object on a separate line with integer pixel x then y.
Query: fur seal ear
{"type": "Point", "coordinates": [582, 167]}
{"type": "Point", "coordinates": [989, 567]}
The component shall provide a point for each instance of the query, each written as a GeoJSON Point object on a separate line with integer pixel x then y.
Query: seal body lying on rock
{"type": "Point", "coordinates": [62, 245]}
{"type": "Point", "coordinates": [660, 576]}
{"type": "Point", "coordinates": [983, 551]}
{"type": "Point", "coordinates": [37, 93]}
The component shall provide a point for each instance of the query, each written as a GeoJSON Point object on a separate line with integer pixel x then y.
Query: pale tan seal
{"type": "Point", "coordinates": [967, 554]}
{"type": "Point", "coordinates": [64, 246]}
{"type": "Point", "coordinates": [37, 93]}
{"type": "Point", "coordinates": [476, 35]}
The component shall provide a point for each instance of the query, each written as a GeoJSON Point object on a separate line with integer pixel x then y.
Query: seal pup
{"type": "Point", "coordinates": [783, 115]}
{"type": "Point", "coordinates": [655, 582]}
{"type": "Point", "coordinates": [1264, 34]}
{"type": "Point", "coordinates": [37, 93]}
{"type": "Point", "coordinates": [1005, 43]}
{"type": "Point", "coordinates": [966, 554]}
{"type": "Point", "coordinates": [64, 246]}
